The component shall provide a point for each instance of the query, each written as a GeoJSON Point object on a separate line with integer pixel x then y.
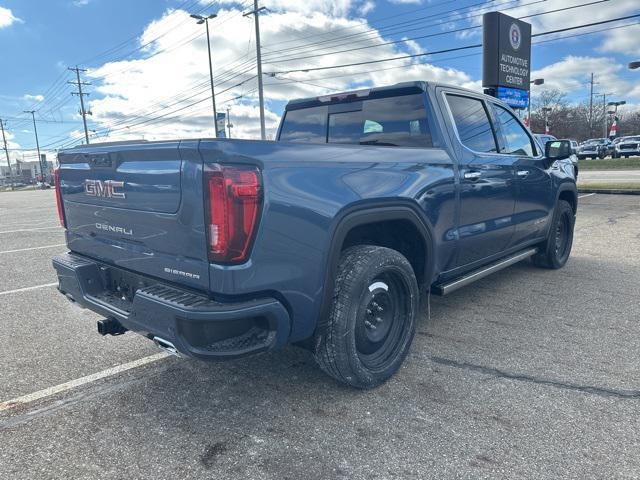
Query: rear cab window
{"type": "Point", "coordinates": [396, 121]}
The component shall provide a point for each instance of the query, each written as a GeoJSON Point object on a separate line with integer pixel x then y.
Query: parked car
{"type": "Point", "coordinates": [628, 147]}
{"type": "Point", "coordinates": [326, 238]}
{"type": "Point", "coordinates": [594, 148]}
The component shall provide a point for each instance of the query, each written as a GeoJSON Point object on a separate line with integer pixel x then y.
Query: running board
{"type": "Point", "coordinates": [446, 288]}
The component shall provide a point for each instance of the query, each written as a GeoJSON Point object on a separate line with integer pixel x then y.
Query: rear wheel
{"type": "Point", "coordinates": [555, 252]}
{"type": "Point", "coordinates": [372, 319]}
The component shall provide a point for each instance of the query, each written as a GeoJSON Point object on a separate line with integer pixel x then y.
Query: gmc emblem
{"type": "Point", "coordinates": [104, 188]}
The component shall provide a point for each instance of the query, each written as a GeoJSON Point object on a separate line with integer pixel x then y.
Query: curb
{"type": "Point", "coordinates": [609, 191]}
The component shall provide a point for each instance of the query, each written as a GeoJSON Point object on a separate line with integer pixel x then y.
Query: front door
{"type": "Point", "coordinates": [535, 195]}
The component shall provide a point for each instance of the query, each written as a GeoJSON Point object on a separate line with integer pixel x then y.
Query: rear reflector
{"type": "Point", "coordinates": [56, 177]}
{"type": "Point", "coordinates": [234, 200]}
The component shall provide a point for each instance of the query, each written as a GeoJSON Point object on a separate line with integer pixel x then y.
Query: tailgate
{"type": "Point", "coordinates": [138, 206]}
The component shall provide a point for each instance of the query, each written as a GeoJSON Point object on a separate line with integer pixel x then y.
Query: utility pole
{"type": "Point", "coordinates": [6, 152]}
{"type": "Point", "coordinates": [35, 130]}
{"type": "Point", "coordinates": [229, 125]}
{"type": "Point", "coordinates": [256, 14]}
{"type": "Point", "coordinates": [79, 84]}
{"type": "Point", "coordinates": [592, 83]}
{"type": "Point", "coordinates": [200, 20]}
{"type": "Point", "coordinates": [604, 110]}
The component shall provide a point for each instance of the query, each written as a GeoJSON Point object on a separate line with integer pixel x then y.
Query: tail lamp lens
{"type": "Point", "coordinates": [235, 198]}
{"type": "Point", "coordinates": [56, 178]}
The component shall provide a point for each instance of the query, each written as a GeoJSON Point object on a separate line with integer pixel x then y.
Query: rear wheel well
{"type": "Point", "coordinates": [569, 197]}
{"type": "Point", "coordinates": [399, 235]}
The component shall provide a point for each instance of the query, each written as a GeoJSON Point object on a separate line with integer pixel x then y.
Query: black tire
{"type": "Point", "coordinates": [555, 252]}
{"type": "Point", "coordinates": [373, 317]}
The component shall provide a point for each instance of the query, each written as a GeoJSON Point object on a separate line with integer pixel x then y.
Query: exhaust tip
{"type": "Point", "coordinates": [166, 346]}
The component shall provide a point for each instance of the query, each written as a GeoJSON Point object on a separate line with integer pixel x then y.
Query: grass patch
{"type": "Point", "coordinates": [609, 186]}
{"type": "Point", "coordinates": [631, 163]}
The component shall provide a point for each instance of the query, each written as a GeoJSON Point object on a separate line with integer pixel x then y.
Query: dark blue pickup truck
{"type": "Point", "coordinates": [326, 238]}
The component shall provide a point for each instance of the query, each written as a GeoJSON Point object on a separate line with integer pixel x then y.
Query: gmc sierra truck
{"type": "Point", "coordinates": [325, 238]}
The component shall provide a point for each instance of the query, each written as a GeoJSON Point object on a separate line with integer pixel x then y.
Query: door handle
{"type": "Point", "coordinates": [522, 173]}
{"type": "Point", "coordinates": [473, 176]}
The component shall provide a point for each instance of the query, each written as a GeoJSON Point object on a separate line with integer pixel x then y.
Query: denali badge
{"type": "Point", "coordinates": [115, 229]}
{"type": "Point", "coordinates": [104, 188]}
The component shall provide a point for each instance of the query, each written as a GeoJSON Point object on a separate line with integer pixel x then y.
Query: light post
{"type": "Point", "coordinates": [537, 81]}
{"type": "Point", "coordinates": [546, 110]}
{"type": "Point", "coordinates": [634, 65]}
{"type": "Point", "coordinates": [200, 20]}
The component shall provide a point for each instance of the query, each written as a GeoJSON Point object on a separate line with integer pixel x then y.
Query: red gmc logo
{"type": "Point", "coordinates": [104, 188]}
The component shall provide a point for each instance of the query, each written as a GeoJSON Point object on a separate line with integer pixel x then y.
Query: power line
{"type": "Point", "coordinates": [447, 50]}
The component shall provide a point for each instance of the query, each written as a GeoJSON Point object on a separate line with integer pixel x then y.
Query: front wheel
{"type": "Point", "coordinates": [555, 252]}
{"type": "Point", "coordinates": [372, 319]}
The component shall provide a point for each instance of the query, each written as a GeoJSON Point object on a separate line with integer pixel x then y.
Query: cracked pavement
{"type": "Point", "coordinates": [525, 374]}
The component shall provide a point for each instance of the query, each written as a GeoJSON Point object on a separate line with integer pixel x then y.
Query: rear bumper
{"type": "Point", "coordinates": [196, 325]}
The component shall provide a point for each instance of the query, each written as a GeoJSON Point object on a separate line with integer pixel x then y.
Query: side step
{"type": "Point", "coordinates": [453, 285]}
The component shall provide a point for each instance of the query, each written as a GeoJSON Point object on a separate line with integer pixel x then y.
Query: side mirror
{"type": "Point", "coordinates": [557, 150]}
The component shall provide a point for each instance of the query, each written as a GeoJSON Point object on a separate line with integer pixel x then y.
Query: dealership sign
{"type": "Point", "coordinates": [514, 97]}
{"type": "Point", "coordinates": [506, 54]}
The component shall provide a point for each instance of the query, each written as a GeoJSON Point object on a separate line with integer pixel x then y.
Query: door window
{"type": "Point", "coordinates": [472, 122]}
{"type": "Point", "coordinates": [517, 140]}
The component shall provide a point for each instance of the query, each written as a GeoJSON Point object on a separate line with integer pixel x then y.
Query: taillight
{"type": "Point", "coordinates": [233, 204]}
{"type": "Point", "coordinates": [56, 177]}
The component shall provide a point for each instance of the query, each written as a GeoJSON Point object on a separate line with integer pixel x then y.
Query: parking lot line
{"type": "Point", "coordinates": [26, 289]}
{"type": "Point", "coordinates": [29, 229]}
{"type": "Point", "coordinates": [34, 248]}
{"type": "Point", "coordinates": [586, 195]}
{"type": "Point", "coordinates": [63, 387]}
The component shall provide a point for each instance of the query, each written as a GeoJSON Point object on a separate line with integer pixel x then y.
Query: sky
{"type": "Point", "coordinates": [147, 65]}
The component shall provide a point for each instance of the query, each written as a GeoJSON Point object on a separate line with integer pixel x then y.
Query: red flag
{"type": "Point", "coordinates": [614, 128]}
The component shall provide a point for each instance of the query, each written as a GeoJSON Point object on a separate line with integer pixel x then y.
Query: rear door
{"type": "Point", "coordinates": [487, 189]}
{"type": "Point", "coordinates": [138, 206]}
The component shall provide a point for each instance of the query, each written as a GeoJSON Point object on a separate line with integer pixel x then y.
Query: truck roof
{"type": "Point", "coordinates": [402, 88]}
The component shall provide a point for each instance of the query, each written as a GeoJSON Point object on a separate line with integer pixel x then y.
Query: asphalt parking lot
{"type": "Point", "coordinates": [525, 374]}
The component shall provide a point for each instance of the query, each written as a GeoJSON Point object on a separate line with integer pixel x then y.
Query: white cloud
{"type": "Point", "coordinates": [334, 8]}
{"type": "Point", "coordinates": [33, 98]}
{"type": "Point", "coordinates": [412, 2]}
{"type": "Point", "coordinates": [572, 75]}
{"type": "Point", "coordinates": [367, 7]}
{"type": "Point", "coordinates": [622, 40]}
{"type": "Point", "coordinates": [7, 18]}
{"type": "Point", "coordinates": [169, 84]}
{"type": "Point", "coordinates": [80, 3]}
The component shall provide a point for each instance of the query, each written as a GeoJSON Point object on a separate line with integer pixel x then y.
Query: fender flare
{"type": "Point", "coordinates": [357, 215]}
{"type": "Point", "coordinates": [568, 187]}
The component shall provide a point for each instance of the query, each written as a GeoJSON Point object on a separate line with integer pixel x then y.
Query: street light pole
{"type": "Point", "coordinates": [35, 130]}
{"type": "Point", "coordinates": [6, 152]}
{"type": "Point", "coordinates": [205, 20]}
{"type": "Point", "coordinates": [537, 81]}
{"type": "Point", "coordinates": [546, 110]}
{"type": "Point", "coordinates": [229, 124]}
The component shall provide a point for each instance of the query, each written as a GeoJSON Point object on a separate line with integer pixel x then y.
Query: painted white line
{"type": "Point", "coordinates": [26, 289]}
{"type": "Point", "coordinates": [63, 387]}
{"type": "Point", "coordinates": [34, 248]}
{"type": "Point", "coordinates": [29, 229]}
{"type": "Point", "coordinates": [586, 195]}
